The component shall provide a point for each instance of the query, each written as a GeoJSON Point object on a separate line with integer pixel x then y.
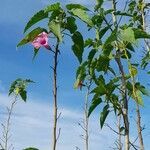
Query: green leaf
{"type": "Point", "coordinates": [91, 70]}
{"type": "Point", "coordinates": [101, 87]}
{"type": "Point", "coordinates": [76, 84]}
{"type": "Point", "coordinates": [35, 53]}
{"type": "Point", "coordinates": [81, 71]}
{"type": "Point", "coordinates": [101, 90]}
{"type": "Point", "coordinates": [78, 46]}
{"type": "Point", "coordinates": [76, 6]}
{"type": "Point", "coordinates": [82, 14]}
{"type": "Point", "coordinates": [129, 87]}
{"type": "Point", "coordinates": [98, 4]}
{"type": "Point", "coordinates": [97, 20]}
{"type": "Point", "coordinates": [95, 102]}
{"type": "Point", "coordinates": [31, 148]}
{"type": "Point", "coordinates": [130, 47]}
{"type": "Point", "coordinates": [55, 27]}
{"type": "Point", "coordinates": [71, 26]}
{"type": "Point", "coordinates": [137, 92]}
{"type": "Point", "coordinates": [123, 14]}
{"type": "Point", "coordinates": [103, 63]}
{"type": "Point", "coordinates": [104, 115]}
{"type": "Point", "coordinates": [145, 60]}
{"type": "Point", "coordinates": [139, 98]}
{"type": "Point", "coordinates": [116, 79]}
{"type": "Point", "coordinates": [142, 89]}
{"type": "Point", "coordinates": [127, 35]}
{"type": "Point", "coordinates": [107, 47]}
{"type": "Point", "coordinates": [88, 42]}
{"type": "Point", "coordinates": [112, 98]}
{"type": "Point", "coordinates": [56, 15]}
{"type": "Point", "coordinates": [133, 71]}
{"type": "Point", "coordinates": [138, 33]}
{"type": "Point", "coordinates": [27, 81]}
{"type": "Point", "coordinates": [103, 31]}
{"type": "Point", "coordinates": [92, 54]}
{"type": "Point", "coordinates": [100, 80]}
{"type": "Point", "coordinates": [80, 75]}
{"type": "Point", "coordinates": [13, 86]}
{"type": "Point", "coordinates": [18, 87]}
{"type": "Point", "coordinates": [23, 95]}
{"type": "Point", "coordinates": [110, 87]}
{"type": "Point", "coordinates": [36, 18]}
{"type": "Point", "coordinates": [53, 7]}
{"type": "Point", "coordinates": [132, 6]}
{"type": "Point", "coordinates": [31, 36]}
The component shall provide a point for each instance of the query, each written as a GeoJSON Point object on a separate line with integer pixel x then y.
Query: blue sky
{"type": "Point", "coordinates": [32, 121]}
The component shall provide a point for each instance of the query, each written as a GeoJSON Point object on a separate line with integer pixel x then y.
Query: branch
{"type": "Point", "coordinates": [82, 126]}
{"type": "Point", "coordinates": [133, 145]}
{"type": "Point", "coordinates": [58, 134]}
{"type": "Point", "coordinates": [6, 127]}
{"type": "Point", "coordinates": [59, 116]}
{"type": "Point", "coordinates": [107, 125]}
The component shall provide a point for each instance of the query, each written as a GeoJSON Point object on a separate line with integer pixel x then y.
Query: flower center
{"type": "Point", "coordinates": [42, 41]}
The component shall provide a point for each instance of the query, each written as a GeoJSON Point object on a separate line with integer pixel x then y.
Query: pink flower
{"type": "Point", "coordinates": [41, 40]}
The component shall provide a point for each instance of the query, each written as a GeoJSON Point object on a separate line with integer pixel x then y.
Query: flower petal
{"type": "Point", "coordinates": [41, 40]}
{"type": "Point", "coordinates": [36, 44]}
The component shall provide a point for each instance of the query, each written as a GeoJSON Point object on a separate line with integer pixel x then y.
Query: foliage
{"type": "Point", "coordinates": [107, 59]}
{"type": "Point", "coordinates": [36, 18]}
{"type": "Point", "coordinates": [18, 87]}
{"type": "Point", "coordinates": [31, 36]}
{"type": "Point", "coordinates": [31, 148]}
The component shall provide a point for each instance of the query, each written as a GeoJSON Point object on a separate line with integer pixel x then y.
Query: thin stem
{"type": "Point", "coordinates": [107, 125]}
{"type": "Point", "coordinates": [143, 16]}
{"type": "Point", "coordinates": [144, 25]}
{"type": "Point", "coordinates": [86, 106]}
{"type": "Point", "coordinates": [139, 127]}
{"type": "Point", "coordinates": [124, 94]}
{"type": "Point", "coordinates": [119, 130]}
{"type": "Point", "coordinates": [55, 107]}
{"type": "Point", "coordinates": [113, 15]}
{"type": "Point", "coordinates": [8, 123]}
{"type": "Point", "coordinates": [137, 105]}
{"type": "Point", "coordinates": [6, 127]}
{"type": "Point", "coordinates": [125, 104]}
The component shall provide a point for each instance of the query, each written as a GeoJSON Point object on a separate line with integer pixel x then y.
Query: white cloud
{"type": "Point", "coordinates": [32, 126]}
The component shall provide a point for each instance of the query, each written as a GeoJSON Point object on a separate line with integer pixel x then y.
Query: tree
{"type": "Point", "coordinates": [110, 60]}
{"type": "Point", "coordinates": [17, 89]}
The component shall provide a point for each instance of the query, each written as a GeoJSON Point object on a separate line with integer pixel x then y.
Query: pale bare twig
{"type": "Point", "coordinates": [4, 144]}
